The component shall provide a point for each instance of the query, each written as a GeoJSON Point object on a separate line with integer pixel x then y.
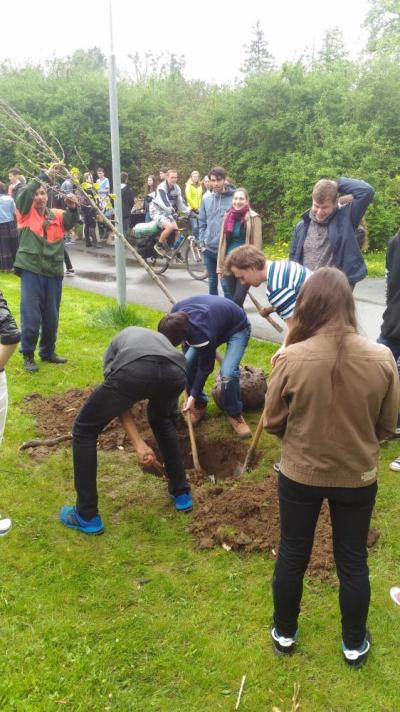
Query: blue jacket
{"type": "Point", "coordinates": [212, 213]}
{"type": "Point", "coordinates": [213, 320]}
{"type": "Point", "coordinates": [341, 230]}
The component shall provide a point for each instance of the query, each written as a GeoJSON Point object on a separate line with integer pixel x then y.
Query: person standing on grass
{"type": "Point", "coordinates": [326, 234]}
{"type": "Point", "coordinates": [241, 226]}
{"type": "Point", "coordinates": [139, 364]}
{"type": "Point", "coordinates": [332, 396]}
{"type": "Point", "coordinates": [211, 218]}
{"type": "Point", "coordinates": [202, 323]}
{"type": "Point", "coordinates": [39, 263]}
{"type": "Point", "coordinates": [9, 338]}
{"type": "Point", "coordinates": [8, 231]}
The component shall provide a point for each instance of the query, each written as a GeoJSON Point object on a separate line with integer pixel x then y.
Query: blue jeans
{"type": "Point", "coordinates": [40, 306]}
{"type": "Point", "coordinates": [210, 261]}
{"type": "Point", "coordinates": [233, 290]}
{"type": "Point", "coordinates": [194, 223]}
{"type": "Point", "coordinates": [229, 373]}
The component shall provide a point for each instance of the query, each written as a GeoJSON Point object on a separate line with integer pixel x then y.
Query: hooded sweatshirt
{"type": "Point", "coordinates": [212, 212]}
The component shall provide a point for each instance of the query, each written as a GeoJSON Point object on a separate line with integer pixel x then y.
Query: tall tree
{"type": "Point", "coordinates": [383, 23]}
{"type": "Point", "coordinates": [257, 56]}
{"type": "Point", "coordinates": [332, 48]}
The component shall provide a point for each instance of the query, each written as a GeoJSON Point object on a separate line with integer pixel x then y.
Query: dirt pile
{"type": "Point", "coordinates": [253, 387]}
{"type": "Point", "coordinates": [245, 517]}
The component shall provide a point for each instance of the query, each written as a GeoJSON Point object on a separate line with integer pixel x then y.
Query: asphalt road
{"type": "Point", "coordinates": [95, 272]}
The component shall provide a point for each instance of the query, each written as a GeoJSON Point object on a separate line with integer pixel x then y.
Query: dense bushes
{"type": "Point", "coordinates": [276, 133]}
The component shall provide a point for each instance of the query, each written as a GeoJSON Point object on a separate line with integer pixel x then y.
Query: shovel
{"type": "Point", "coordinates": [195, 454]}
{"type": "Point", "coordinates": [258, 306]}
{"type": "Point", "coordinates": [241, 469]}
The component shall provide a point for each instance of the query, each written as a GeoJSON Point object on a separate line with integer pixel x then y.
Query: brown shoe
{"type": "Point", "coordinates": [240, 426]}
{"type": "Point", "coordinates": [197, 414]}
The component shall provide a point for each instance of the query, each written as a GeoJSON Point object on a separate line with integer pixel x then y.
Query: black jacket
{"type": "Point", "coordinates": [9, 332]}
{"type": "Point", "coordinates": [128, 199]}
{"type": "Point", "coordinates": [391, 316]}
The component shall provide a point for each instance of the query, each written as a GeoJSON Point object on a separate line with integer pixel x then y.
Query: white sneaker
{"type": "Point", "coordinates": [395, 594]}
{"type": "Point", "coordinates": [395, 465]}
{"type": "Point", "coordinates": [5, 526]}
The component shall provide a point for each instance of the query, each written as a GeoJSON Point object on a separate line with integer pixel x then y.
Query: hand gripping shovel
{"type": "Point", "coordinates": [241, 469]}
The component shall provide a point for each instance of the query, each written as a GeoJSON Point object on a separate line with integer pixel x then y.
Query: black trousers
{"type": "Point", "coordinates": [157, 379]}
{"type": "Point", "coordinates": [350, 510]}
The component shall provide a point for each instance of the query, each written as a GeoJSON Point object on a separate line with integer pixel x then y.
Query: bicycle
{"type": "Point", "coordinates": [185, 250]}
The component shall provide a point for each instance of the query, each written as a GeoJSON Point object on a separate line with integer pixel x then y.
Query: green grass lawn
{"type": "Point", "coordinates": [375, 259]}
{"type": "Point", "coordinates": [137, 619]}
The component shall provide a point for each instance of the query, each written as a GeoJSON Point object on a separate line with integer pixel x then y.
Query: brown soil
{"type": "Point", "coordinates": [245, 517]}
{"type": "Point", "coordinates": [241, 515]}
{"type": "Point", "coordinates": [253, 387]}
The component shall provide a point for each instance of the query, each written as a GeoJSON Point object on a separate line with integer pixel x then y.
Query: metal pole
{"type": "Point", "coordinates": [116, 168]}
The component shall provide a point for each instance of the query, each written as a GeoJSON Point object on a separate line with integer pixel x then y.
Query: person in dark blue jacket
{"type": "Point", "coordinates": [326, 234]}
{"type": "Point", "coordinates": [202, 323]}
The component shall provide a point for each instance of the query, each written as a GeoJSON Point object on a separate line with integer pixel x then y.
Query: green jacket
{"type": "Point", "coordinates": [41, 244]}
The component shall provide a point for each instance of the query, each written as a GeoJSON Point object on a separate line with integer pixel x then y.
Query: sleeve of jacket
{"type": "Point", "coordinates": [205, 366]}
{"type": "Point", "coordinates": [221, 250]}
{"type": "Point", "coordinates": [202, 222]}
{"type": "Point", "coordinates": [26, 195]}
{"type": "Point", "coordinates": [387, 422]}
{"type": "Point", "coordinates": [276, 400]}
{"type": "Point", "coordinates": [9, 332]}
{"type": "Point", "coordinates": [182, 207]}
{"type": "Point", "coordinates": [363, 194]}
{"type": "Point", "coordinates": [293, 243]}
{"type": "Point", "coordinates": [256, 232]}
{"type": "Point", "coordinates": [70, 217]}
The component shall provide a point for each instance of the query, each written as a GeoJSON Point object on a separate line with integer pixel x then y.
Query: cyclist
{"type": "Point", "coordinates": [168, 202]}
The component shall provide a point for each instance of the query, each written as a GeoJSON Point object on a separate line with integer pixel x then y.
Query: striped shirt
{"type": "Point", "coordinates": [284, 280]}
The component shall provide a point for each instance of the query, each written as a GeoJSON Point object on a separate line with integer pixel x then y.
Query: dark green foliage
{"type": "Point", "coordinates": [277, 133]}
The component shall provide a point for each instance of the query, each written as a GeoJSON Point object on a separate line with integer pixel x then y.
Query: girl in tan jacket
{"type": "Point", "coordinates": [241, 226]}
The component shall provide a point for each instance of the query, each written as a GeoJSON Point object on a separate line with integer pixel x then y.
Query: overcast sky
{"type": "Point", "coordinates": [209, 34]}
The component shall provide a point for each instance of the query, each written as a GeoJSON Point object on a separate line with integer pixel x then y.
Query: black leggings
{"type": "Point", "coordinates": [350, 509]}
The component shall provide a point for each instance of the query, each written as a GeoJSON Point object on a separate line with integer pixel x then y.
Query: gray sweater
{"type": "Point", "coordinates": [135, 342]}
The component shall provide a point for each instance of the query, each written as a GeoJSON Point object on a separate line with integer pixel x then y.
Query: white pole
{"type": "Point", "coordinates": [116, 168]}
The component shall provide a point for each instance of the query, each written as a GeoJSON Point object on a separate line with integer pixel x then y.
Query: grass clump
{"type": "Point", "coordinates": [118, 316]}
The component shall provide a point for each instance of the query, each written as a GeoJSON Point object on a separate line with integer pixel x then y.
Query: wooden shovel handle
{"type": "Point", "coordinates": [268, 318]}
{"type": "Point", "coordinates": [193, 445]}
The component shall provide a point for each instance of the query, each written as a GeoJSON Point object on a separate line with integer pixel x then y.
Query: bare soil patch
{"type": "Point", "coordinates": [242, 515]}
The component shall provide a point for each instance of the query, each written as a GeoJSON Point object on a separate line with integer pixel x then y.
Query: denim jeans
{"type": "Point", "coordinates": [210, 261]}
{"type": "Point", "coordinates": [233, 290]}
{"type": "Point", "coordinates": [229, 373]}
{"type": "Point", "coordinates": [350, 509]}
{"type": "Point", "coordinates": [154, 378]}
{"type": "Point", "coordinates": [40, 306]}
{"type": "Point", "coordinates": [194, 224]}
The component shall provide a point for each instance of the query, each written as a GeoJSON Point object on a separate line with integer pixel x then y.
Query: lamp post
{"type": "Point", "coordinates": [116, 168]}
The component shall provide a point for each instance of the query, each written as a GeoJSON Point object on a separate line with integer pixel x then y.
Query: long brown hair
{"type": "Point", "coordinates": [325, 297]}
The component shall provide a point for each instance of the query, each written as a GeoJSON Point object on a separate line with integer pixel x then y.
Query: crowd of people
{"type": "Point", "coordinates": [333, 395]}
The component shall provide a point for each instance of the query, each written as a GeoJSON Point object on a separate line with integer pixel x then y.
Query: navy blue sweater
{"type": "Point", "coordinates": [213, 320]}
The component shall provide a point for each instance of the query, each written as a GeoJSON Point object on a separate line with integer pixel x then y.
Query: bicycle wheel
{"type": "Point", "coordinates": [157, 263]}
{"type": "Point", "coordinates": [194, 261]}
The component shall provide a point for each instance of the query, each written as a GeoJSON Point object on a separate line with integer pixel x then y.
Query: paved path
{"type": "Point", "coordinates": [95, 272]}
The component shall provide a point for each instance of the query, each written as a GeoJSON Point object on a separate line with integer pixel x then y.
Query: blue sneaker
{"type": "Point", "coordinates": [183, 502]}
{"type": "Point", "coordinates": [356, 658]}
{"type": "Point", "coordinates": [70, 517]}
{"type": "Point", "coordinates": [282, 646]}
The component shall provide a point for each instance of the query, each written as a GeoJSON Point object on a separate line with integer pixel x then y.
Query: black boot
{"type": "Point", "coordinates": [53, 358]}
{"type": "Point", "coordinates": [30, 364]}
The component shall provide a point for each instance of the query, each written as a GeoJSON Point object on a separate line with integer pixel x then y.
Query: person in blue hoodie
{"type": "Point", "coordinates": [326, 235]}
{"type": "Point", "coordinates": [201, 324]}
{"type": "Point", "coordinates": [212, 213]}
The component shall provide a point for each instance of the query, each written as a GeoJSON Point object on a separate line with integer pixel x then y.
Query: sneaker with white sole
{"type": "Point", "coordinates": [357, 657]}
{"type": "Point", "coordinates": [281, 644]}
{"type": "Point", "coordinates": [5, 526]}
{"type": "Point", "coordinates": [395, 465]}
{"type": "Point", "coordinates": [395, 594]}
